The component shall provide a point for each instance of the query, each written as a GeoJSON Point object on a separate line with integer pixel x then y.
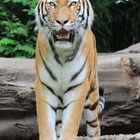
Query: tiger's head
{"type": "Point", "coordinates": [64, 22]}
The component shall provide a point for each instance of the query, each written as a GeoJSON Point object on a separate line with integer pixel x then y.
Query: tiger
{"type": "Point", "coordinates": [66, 84]}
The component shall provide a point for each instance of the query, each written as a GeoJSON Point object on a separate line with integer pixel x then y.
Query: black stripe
{"type": "Point", "coordinates": [44, 15]}
{"type": "Point", "coordinates": [60, 108]}
{"type": "Point", "coordinates": [50, 72]}
{"type": "Point", "coordinates": [58, 122]}
{"type": "Point", "coordinates": [101, 91]}
{"type": "Point", "coordinates": [56, 56]}
{"type": "Point", "coordinates": [53, 108]}
{"type": "Point", "coordinates": [72, 87]}
{"type": "Point", "coordinates": [86, 25]}
{"type": "Point", "coordinates": [77, 73]}
{"type": "Point", "coordinates": [81, 69]}
{"type": "Point", "coordinates": [68, 105]}
{"type": "Point", "coordinates": [92, 107]}
{"type": "Point", "coordinates": [72, 56]}
{"type": "Point", "coordinates": [42, 10]}
{"type": "Point", "coordinates": [47, 68]}
{"type": "Point", "coordinates": [59, 97]}
{"type": "Point", "coordinates": [101, 99]}
{"type": "Point", "coordinates": [92, 88]}
{"type": "Point", "coordinates": [38, 8]}
{"type": "Point", "coordinates": [63, 108]}
{"type": "Point", "coordinates": [52, 91]}
{"type": "Point", "coordinates": [91, 123]}
{"type": "Point", "coordinates": [82, 15]}
{"type": "Point", "coordinates": [49, 88]}
{"type": "Point", "coordinates": [89, 75]}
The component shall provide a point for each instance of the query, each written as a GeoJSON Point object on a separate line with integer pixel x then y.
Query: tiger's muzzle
{"type": "Point", "coordinates": [64, 35]}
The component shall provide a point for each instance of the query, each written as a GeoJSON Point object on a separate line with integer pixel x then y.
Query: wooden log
{"type": "Point", "coordinates": [17, 100]}
{"type": "Point", "coordinates": [119, 74]}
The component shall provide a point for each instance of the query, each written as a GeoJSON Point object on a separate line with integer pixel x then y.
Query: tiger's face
{"type": "Point", "coordinates": [64, 22]}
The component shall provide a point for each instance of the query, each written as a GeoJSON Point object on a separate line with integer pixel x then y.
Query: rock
{"type": "Point", "coordinates": [122, 119]}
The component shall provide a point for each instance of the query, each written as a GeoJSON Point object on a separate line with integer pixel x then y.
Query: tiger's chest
{"type": "Point", "coordinates": [61, 77]}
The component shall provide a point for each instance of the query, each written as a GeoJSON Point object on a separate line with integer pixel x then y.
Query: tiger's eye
{"type": "Point", "coordinates": [52, 4]}
{"type": "Point", "coordinates": [73, 3]}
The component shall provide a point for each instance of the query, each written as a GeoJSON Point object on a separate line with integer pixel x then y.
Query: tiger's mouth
{"type": "Point", "coordinates": [64, 35]}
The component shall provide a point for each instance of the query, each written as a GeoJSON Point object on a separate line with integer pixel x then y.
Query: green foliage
{"type": "Point", "coordinates": [116, 26]}
{"type": "Point", "coordinates": [16, 32]}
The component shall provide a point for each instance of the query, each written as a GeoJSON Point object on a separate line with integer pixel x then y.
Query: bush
{"type": "Point", "coordinates": [17, 35]}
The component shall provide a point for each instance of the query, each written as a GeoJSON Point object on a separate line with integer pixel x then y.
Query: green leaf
{"type": "Point", "coordinates": [7, 41]}
{"type": "Point", "coordinates": [2, 49]}
{"type": "Point", "coordinates": [20, 31]}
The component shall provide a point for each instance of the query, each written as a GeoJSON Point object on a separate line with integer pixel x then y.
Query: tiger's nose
{"type": "Point", "coordinates": [62, 22]}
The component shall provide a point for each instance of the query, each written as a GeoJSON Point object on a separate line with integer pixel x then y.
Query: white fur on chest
{"type": "Point", "coordinates": [63, 73]}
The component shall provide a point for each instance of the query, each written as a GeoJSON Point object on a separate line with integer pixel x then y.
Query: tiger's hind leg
{"type": "Point", "coordinates": [91, 111]}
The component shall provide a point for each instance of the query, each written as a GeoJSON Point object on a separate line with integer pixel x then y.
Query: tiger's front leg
{"type": "Point", "coordinates": [46, 113]}
{"type": "Point", "coordinates": [73, 108]}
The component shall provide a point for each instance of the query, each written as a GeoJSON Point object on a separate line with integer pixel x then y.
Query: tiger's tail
{"type": "Point", "coordinates": [101, 99]}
